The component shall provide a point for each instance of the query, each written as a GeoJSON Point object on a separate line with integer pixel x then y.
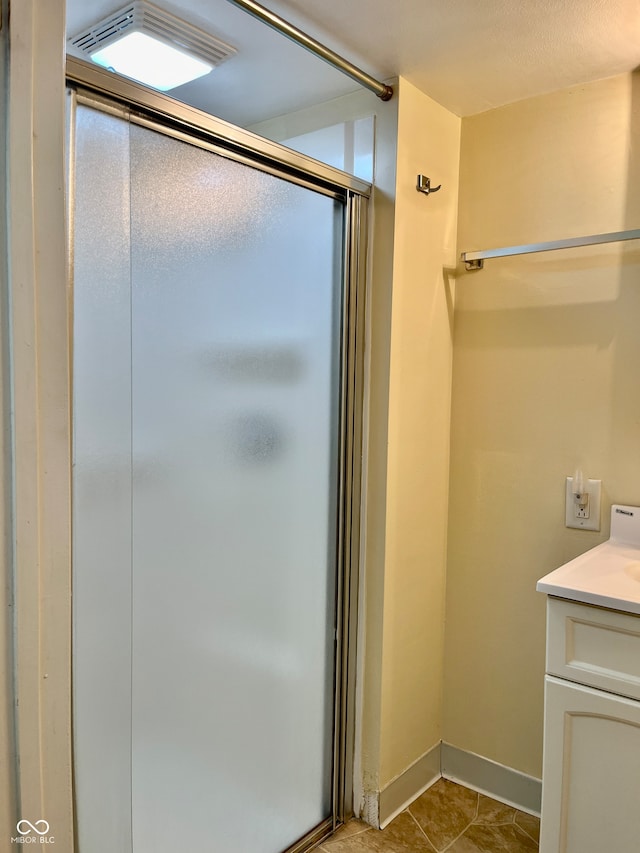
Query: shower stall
{"type": "Point", "coordinates": [217, 360]}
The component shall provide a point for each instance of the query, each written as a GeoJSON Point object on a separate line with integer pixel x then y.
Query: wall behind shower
{"type": "Point", "coordinates": [340, 132]}
{"type": "Point", "coordinates": [545, 379]}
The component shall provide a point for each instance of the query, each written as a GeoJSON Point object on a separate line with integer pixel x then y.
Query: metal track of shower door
{"type": "Point", "coordinates": [246, 146]}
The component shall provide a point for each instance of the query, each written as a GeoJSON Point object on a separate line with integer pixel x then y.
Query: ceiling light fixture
{"type": "Point", "coordinates": [151, 46]}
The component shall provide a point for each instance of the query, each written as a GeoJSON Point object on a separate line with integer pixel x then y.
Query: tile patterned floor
{"type": "Point", "coordinates": [447, 817]}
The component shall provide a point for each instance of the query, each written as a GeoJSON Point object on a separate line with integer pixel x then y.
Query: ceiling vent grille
{"type": "Point", "coordinates": [144, 17]}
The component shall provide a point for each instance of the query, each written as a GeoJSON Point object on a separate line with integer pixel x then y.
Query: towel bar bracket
{"type": "Point", "coordinates": [474, 265]}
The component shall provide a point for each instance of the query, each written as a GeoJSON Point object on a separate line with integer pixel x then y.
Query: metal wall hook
{"type": "Point", "coordinates": [423, 185]}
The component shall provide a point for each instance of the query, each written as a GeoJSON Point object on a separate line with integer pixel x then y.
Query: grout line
{"type": "Point", "coordinates": [353, 834]}
{"type": "Point", "coordinates": [523, 829]}
{"type": "Point", "coordinates": [332, 838]}
{"type": "Point", "coordinates": [451, 843]}
{"type": "Point", "coordinates": [511, 821]}
{"type": "Point", "coordinates": [457, 838]}
{"type": "Point", "coordinates": [527, 834]}
{"type": "Point", "coordinates": [413, 817]}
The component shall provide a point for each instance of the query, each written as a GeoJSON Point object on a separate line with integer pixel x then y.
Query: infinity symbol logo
{"type": "Point", "coordinates": [32, 826]}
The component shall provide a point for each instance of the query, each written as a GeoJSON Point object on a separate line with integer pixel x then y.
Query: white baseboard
{"type": "Point", "coordinates": [410, 784]}
{"type": "Point", "coordinates": [473, 771]}
{"type": "Point", "coordinates": [488, 777]}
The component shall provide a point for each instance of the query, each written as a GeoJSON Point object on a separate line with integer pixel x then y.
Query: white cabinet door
{"type": "Point", "coordinates": [591, 773]}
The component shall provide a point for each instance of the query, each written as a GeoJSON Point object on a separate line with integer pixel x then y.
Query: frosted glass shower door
{"type": "Point", "coordinates": [206, 432]}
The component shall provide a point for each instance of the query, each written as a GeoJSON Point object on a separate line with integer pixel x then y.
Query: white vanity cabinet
{"type": "Point", "coordinates": [591, 767]}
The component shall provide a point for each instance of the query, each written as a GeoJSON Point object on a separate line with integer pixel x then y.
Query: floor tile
{"type": "Point", "coordinates": [505, 838]}
{"type": "Point", "coordinates": [444, 810]}
{"type": "Point", "coordinates": [491, 811]}
{"type": "Point", "coordinates": [352, 827]}
{"type": "Point", "coordinates": [403, 835]}
{"type": "Point", "coordinates": [530, 824]}
{"type": "Point", "coordinates": [448, 817]}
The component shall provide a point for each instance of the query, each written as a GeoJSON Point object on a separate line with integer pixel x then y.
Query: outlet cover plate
{"type": "Point", "coordinates": [594, 487]}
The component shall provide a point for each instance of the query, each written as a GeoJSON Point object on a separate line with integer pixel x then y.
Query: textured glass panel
{"type": "Point", "coordinates": [205, 372]}
{"type": "Point", "coordinates": [102, 485]}
{"type": "Point", "coordinates": [235, 350]}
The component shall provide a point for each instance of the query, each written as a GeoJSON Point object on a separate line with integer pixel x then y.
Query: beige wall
{"type": "Point", "coordinates": [7, 745]}
{"type": "Point", "coordinates": [546, 358]}
{"type": "Point", "coordinates": [39, 366]}
{"type": "Point", "coordinates": [418, 433]}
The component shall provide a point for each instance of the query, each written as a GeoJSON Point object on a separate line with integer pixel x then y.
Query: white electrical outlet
{"type": "Point", "coordinates": [587, 516]}
{"type": "Point", "coordinates": [583, 510]}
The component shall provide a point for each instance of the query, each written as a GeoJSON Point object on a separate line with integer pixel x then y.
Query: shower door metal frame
{"type": "Point", "coordinates": [139, 105]}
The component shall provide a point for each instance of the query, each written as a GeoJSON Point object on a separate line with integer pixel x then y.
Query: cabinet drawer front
{"type": "Point", "coordinates": [593, 646]}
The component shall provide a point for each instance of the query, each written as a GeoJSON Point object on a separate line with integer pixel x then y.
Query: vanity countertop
{"type": "Point", "coordinates": [607, 575]}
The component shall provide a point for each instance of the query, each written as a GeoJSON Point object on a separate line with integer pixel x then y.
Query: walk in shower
{"type": "Point", "coordinates": [217, 317]}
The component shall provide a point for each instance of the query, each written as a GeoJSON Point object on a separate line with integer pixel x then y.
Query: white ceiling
{"type": "Point", "coordinates": [470, 55]}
